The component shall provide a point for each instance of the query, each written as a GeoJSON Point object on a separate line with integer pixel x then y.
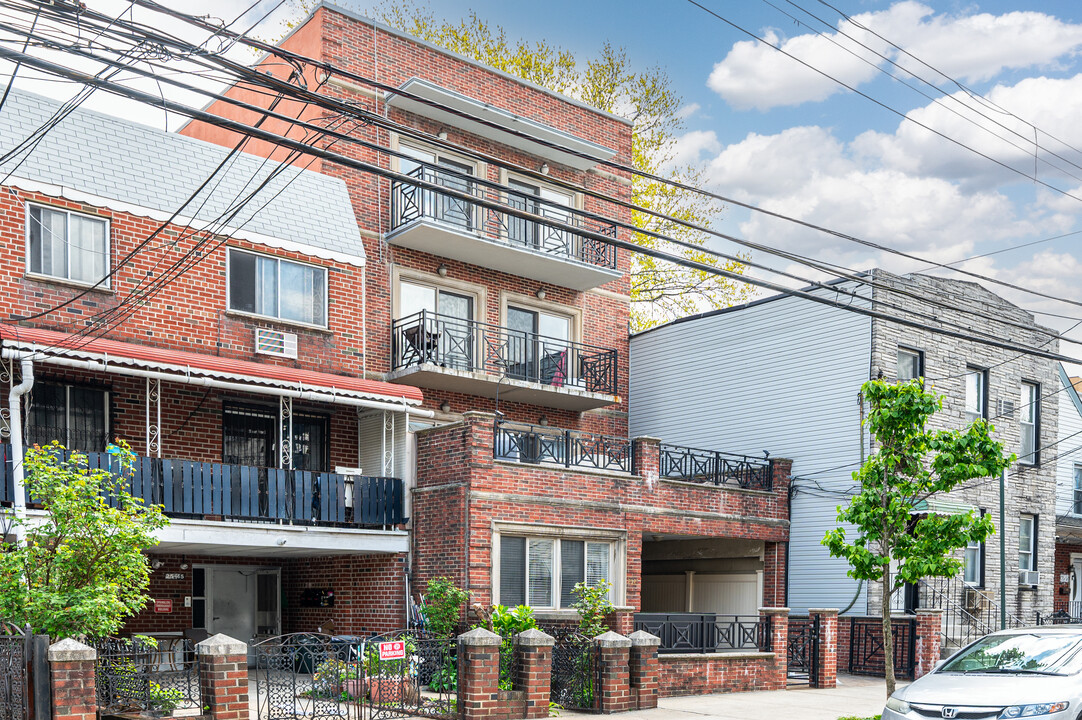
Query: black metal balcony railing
{"type": "Point", "coordinates": [410, 203]}
{"type": "Point", "coordinates": [706, 632]}
{"type": "Point", "coordinates": [716, 468]}
{"type": "Point", "coordinates": [185, 488]}
{"type": "Point", "coordinates": [569, 448]}
{"type": "Point", "coordinates": [470, 345]}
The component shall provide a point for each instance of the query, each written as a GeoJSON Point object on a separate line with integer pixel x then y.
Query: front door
{"type": "Point", "coordinates": [232, 603]}
{"type": "Point", "coordinates": [1075, 605]}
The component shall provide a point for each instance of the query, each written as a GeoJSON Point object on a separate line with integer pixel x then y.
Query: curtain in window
{"type": "Point", "coordinates": [48, 242]}
{"type": "Point", "coordinates": [597, 563]}
{"type": "Point", "coordinates": [512, 571]}
{"type": "Point", "coordinates": [266, 286]}
{"type": "Point", "coordinates": [87, 253]}
{"type": "Point", "coordinates": [302, 294]}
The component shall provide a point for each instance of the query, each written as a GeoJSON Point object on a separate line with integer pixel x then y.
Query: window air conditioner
{"type": "Point", "coordinates": [275, 342]}
{"type": "Point", "coordinates": [1005, 408]}
{"type": "Point", "coordinates": [1029, 577]}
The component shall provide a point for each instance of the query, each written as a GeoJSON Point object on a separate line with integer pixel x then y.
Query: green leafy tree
{"type": "Point", "coordinates": [660, 290]}
{"type": "Point", "coordinates": [443, 605]}
{"type": "Point", "coordinates": [81, 570]}
{"type": "Point", "coordinates": [896, 479]}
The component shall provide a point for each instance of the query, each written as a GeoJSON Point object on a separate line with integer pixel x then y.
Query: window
{"type": "Point", "coordinates": [277, 288]}
{"type": "Point", "coordinates": [976, 394]}
{"type": "Point", "coordinates": [910, 364]}
{"type": "Point", "coordinates": [65, 245]}
{"type": "Point", "coordinates": [543, 572]}
{"type": "Point", "coordinates": [250, 437]}
{"type": "Point", "coordinates": [539, 346]}
{"type": "Point", "coordinates": [76, 416]}
{"type": "Point", "coordinates": [1029, 413]}
{"type": "Point", "coordinates": [447, 339]}
{"type": "Point", "coordinates": [974, 564]}
{"type": "Point", "coordinates": [433, 205]}
{"type": "Point", "coordinates": [1077, 505]}
{"type": "Point", "coordinates": [1027, 542]}
{"type": "Point", "coordinates": [547, 203]}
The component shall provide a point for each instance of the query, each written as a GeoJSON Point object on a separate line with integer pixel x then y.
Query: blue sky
{"type": "Point", "coordinates": [777, 135]}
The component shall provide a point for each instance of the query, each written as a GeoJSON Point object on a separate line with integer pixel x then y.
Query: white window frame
{"type": "Point", "coordinates": [279, 261]}
{"type": "Point", "coordinates": [1031, 409]}
{"type": "Point", "coordinates": [1027, 558]}
{"type": "Point", "coordinates": [974, 550]}
{"type": "Point", "coordinates": [982, 394]}
{"type": "Point", "coordinates": [106, 280]}
{"type": "Point", "coordinates": [1076, 499]}
{"type": "Point", "coordinates": [918, 354]}
{"type": "Point", "coordinates": [617, 542]}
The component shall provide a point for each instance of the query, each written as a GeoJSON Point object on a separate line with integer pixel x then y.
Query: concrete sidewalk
{"type": "Point", "coordinates": [855, 696]}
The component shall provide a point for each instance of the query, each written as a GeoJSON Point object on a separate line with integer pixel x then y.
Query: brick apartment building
{"type": "Point", "coordinates": [493, 349]}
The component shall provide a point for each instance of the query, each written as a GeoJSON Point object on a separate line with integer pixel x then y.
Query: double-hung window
{"type": "Point", "coordinates": [67, 245]}
{"type": "Point", "coordinates": [910, 364]}
{"type": "Point", "coordinates": [1076, 506]}
{"type": "Point", "coordinates": [1030, 418]}
{"type": "Point", "coordinates": [275, 288]}
{"type": "Point", "coordinates": [542, 572]}
{"type": "Point", "coordinates": [1027, 542]}
{"type": "Point", "coordinates": [77, 417]}
{"type": "Point", "coordinates": [976, 394]}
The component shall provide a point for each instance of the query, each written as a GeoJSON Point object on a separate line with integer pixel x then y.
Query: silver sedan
{"type": "Point", "coordinates": [1022, 673]}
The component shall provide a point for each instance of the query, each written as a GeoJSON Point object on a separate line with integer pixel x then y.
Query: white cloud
{"type": "Point", "coordinates": [969, 47]}
{"type": "Point", "coordinates": [686, 111]}
{"type": "Point", "coordinates": [691, 146]}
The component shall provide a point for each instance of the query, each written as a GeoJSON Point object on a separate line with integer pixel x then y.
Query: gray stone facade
{"type": "Point", "coordinates": [1031, 489]}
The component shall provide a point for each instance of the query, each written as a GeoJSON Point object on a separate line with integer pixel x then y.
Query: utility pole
{"type": "Point", "coordinates": [1002, 551]}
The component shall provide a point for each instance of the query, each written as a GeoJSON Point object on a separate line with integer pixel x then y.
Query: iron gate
{"type": "Point", "coordinates": [866, 647]}
{"type": "Point", "coordinates": [14, 678]}
{"type": "Point", "coordinates": [409, 673]}
{"type": "Point", "coordinates": [576, 671]}
{"type": "Point", "coordinates": [138, 675]}
{"type": "Point", "coordinates": [803, 649]}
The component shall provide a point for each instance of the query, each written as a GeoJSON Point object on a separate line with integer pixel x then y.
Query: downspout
{"type": "Point", "coordinates": [15, 425]}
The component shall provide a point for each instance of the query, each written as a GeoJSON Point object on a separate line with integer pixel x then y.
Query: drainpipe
{"type": "Point", "coordinates": [16, 426]}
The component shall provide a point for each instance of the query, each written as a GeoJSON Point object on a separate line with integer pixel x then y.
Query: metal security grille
{"type": "Point", "coordinates": [803, 649]}
{"type": "Point", "coordinates": [133, 675]}
{"type": "Point", "coordinates": [14, 685]}
{"type": "Point", "coordinates": [866, 646]}
{"type": "Point", "coordinates": [576, 671]}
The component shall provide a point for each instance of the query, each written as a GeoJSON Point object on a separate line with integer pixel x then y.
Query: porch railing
{"type": "Point", "coordinates": [968, 612]}
{"type": "Point", "coordinates": [706, 632]}
{"type": "Point", "coordinates": [213, 491]}
{"type": "Point", "coordinates": [715, 468]}
{"type": "Point", "coordinates": [470, 345]}
{"type": "Point", "coordinates": [569, 448]}
{"type": "Point", "coordinates": [410, 203]}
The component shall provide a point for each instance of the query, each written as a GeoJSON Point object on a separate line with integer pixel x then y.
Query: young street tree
{"type": "Point", "coordinates": [660, 290]}
{"type": "Point", "coordinates": [80, 570]}
{"type": "Point", "coordinates": [896, 479]}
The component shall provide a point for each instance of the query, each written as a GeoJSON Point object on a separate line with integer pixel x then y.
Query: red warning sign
{"type": "Point", "coordinates": [163, 606]}
{"type": "Point", "coordinates": [395, 650]}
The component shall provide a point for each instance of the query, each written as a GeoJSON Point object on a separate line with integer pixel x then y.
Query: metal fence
{"type": "Point", "coordinates": [715, 468]}
{"type": "Point", "coordinates": [576, 670]}
{"type": "Point", "coordinates": [15, 655]}
{"type": "Point", "coordinates": [135, 675]}
{"type": "Point", "coordinates": [802, 649]}
{"type": "Point", "coordinates": [470, 345]}
{"type": "Point", "coordinates": [410, 203]}
{"type": "Point", "coordinates": [533, 444]}
{"type": "Point", "coordinates": [866, 646]}
{"type": "Point", "coordinates": [706, 632]}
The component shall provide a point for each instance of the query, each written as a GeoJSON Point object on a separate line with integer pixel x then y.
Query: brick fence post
{"type": "Point", "coordinates": [614, 695]}
{"type": "Point", "coordinates": [827, 674]}
{"type": "Point", "coordinates": [779, 645]}
{"type": "Point", "coordinates": [223, 677]}
{"type": "Point", "coordinates": [929, 641]}
{"type": "Point", "coordinates": [71, 670]}
{"type": "Point", "coordinates": [646, 458]}
{"type": "Point", "coordinates": [479, 674]}
{"type": "Point", "coordinates": [643, 670]}
{"type": "Point", "coordinates": [534, 648]}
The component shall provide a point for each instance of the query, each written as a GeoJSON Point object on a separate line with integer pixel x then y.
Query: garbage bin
{"type": "Point", "coordinates": [347, 648]}
{"type": "Point", "coordinates": [308, 653]}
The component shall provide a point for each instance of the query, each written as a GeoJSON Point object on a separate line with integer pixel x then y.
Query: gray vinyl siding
{"type": "Point", "coordinates": [780, 375]}
{"type": "Point", "coordinates": [1068, 451]}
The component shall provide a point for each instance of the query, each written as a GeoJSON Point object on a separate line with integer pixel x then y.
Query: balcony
{"type": "Point", "coordinates": [238, 509]}
{"type": "Point", "coordinates": [467, 356]}
{"type": "Point", "coordinates": [442, 224]}
{"type": "Point", "coordinates": [715, 468]}
{"type": "Point", "coordinates": [518, 442]}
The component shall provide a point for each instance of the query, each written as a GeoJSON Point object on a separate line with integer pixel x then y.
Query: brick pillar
{"type": "Point", "coordinates": [614, 695]}
{"type": "Point", "coordinates": [223, 677]}
{"type": "Point", "coordinates": [534, 649]}
{"type": "Point", "coordinates": [646, 458]}
{"type": "Point", "coordinates": [71, 668]}
{"type": "Point", "coordinates": [827, 675]}
{"type": "Point", "coordinates": [479, 674]}
{"type": "Point", "coordinates": [928, 642]}
{"type": "Point", "coordinates": [779, 645]}
{"type": "Point", "coordinates": [644, 669]}
{"type": "Point", "coordinates": [621, 620]}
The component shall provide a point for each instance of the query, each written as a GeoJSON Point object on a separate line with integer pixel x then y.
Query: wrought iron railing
{"type": "Point", "coordinates": [410, 203]}
{"type": "Point", "coordinates": [802, 649]}
{"type": "Point", "coordinates": [186, 488]}
{"type": "Point", "coordinates": [968, 612]}
{"type": "Point", "coordinates": [866, 646]}
{"type": "Point", "coordinates": [470, 345]}
{"type": "Point", "coordinates": [715, 468]}
{"type": "Point", "coordinates": [537, 445]}
{"type": "Point", "coordinates": [15, 656]}
{"type": "Point", "coordinates": [706, 632]}
{"type": "Point", "coordinates": [135, 675]}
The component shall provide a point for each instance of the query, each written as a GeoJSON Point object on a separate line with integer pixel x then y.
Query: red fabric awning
{"type": "Point", "coordinates": [46, 344]}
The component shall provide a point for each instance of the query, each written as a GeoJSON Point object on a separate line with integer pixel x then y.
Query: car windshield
{"type": "Point", "coordinates": [1021, 653]}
